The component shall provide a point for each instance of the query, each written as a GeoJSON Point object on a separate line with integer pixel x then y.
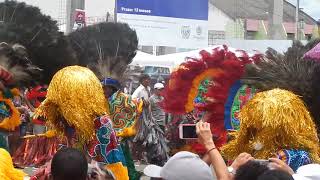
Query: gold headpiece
{"type": "Point", "coordinates": [274, 120]}
{"type": "Point", "coordinates": [75, 95]}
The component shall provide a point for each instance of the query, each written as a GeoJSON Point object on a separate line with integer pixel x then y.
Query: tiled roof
{"type": "Point", "coordinates": [253, 25]}
{"type": "Point", "coordinates": [257, 9]}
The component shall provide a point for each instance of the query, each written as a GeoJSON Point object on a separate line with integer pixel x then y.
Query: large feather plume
{"type": "Point", "coordinates": [290, 72]}
{"type": "Point", "coordinates": [15, 66]}
{"type": "Point", "coordinates": [112, 67]}
{"type": "Point", "coordinates": [106, 47]}
{"type": "Point", "coordinates": [39, 34]}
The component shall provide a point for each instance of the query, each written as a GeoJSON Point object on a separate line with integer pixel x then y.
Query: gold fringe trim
{"type": "Point", "coordinates": [74, 95]}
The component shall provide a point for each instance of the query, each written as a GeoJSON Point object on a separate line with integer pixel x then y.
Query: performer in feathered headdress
{"type": "Point", "coordinates": [262, 118]}
{"type": "Point", "coordinates": [276, 123]}
{"type": "Point", "coordinates": [76, 107]}
{"type": "Point", "coordinates": [108, 49]}
{"type": "Point", "coordinates": [15, 70]}
{"type": "Point", "coordinates": [47, 48]}
{"type": "Point", "coordinates": [223, 68]}
{"type": "Point", "coordinates": [292, 71]}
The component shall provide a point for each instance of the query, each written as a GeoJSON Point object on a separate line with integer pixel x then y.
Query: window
{"type": "Point", "coordinates": [308, 37]}
{"type": "Point", "coordinates": [214, 35]}
{"type": "Point", "coordinates": [290, 36]}
{"type": "Point", "coordinates": [250, 35]}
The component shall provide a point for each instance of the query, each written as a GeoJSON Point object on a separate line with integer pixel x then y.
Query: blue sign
{"type": "Point", "coordinates": [186, 9]}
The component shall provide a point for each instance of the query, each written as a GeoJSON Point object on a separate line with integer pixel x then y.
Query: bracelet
{"type": "Point", "coordinates": [210, 150]}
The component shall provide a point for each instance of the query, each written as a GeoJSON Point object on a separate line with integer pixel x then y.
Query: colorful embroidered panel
{"type": "Point", "coordinates": [105, 147]}
{"type": "Point", "coordinates": [123, 111]}
{"type": "Point", "coordinates": [200, 99]}
{"type": "Point", "coordinates": [294, 158]}
{"type": "Point", "coordinates": [202, 90]}
{"type": "Point", "coordinates": [239, 95]}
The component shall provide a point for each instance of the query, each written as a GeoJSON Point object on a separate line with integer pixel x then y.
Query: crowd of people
{"type": "Point", "coordinates": [256, 117]}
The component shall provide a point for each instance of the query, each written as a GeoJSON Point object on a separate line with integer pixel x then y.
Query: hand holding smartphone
{"type": "Point", "coordinates": [187, 131]}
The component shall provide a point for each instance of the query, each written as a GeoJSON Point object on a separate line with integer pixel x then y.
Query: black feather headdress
{"type": "Point", "coordinates": [290, 72]}
{"type": "Point", "coordinates": [107, 48]}
{"type": "Point", "coordinates": [39, 34]}
{"type": "Point", "coordinates": [15, 67]}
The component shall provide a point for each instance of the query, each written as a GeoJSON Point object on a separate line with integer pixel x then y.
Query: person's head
{"type": "Point", "coordinates": [275, 175]}
{"type": "Point", "coordinates": [110, 86]}
{"type": "Point", "coordinates": [109, 91]}
{"type": "Point", "coordinates": [145, 80]}
{"type": "Point", "coordinates": [256, 170]}
{"type": "Point", "coordinates": [68, 164]}
{"type": "Point", "coordinates": [158, 87]}
{"type": "Point", "coordinates": [183, 165]}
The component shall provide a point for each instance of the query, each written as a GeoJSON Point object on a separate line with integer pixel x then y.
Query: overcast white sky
{"type": "Point", "coordinates": [100, 7]}
{"type": "Point", "coordinates": [53, 7]}
{"type": "Point", "coordinates": [312, 7]}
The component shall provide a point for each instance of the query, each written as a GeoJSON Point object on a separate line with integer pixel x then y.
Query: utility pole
{"type": "Point", "coordinates": [297, 35]}
{"type": "Point", "coordinates": [275, 19]}
{"type": "Point", "coordinates": [115, 11]}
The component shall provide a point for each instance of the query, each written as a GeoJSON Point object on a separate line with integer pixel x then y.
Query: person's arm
{"type": "Point", "coordinates": [205, 137]}
{"type": "Point", "coordinates": [136, 93]}
{"type": "Point", "coordinates": [242, 159]}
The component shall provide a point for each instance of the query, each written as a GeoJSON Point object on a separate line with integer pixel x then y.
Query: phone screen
{"type": "Point", "coordinates": [189, 132]}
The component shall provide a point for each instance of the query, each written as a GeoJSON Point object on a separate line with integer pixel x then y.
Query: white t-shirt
{"type": "Point", "coordinates": [141, 92]}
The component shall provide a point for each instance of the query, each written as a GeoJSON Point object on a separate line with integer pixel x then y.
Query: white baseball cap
{"type": "Point", "coordinates": [158, 86]}
{"type": "Point", "coordinates": [183, 165]}
{"type": "Point", "coordinates": [308, 172]}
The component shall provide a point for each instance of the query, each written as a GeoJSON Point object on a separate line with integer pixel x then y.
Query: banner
{"type": "Point", "coordinates": [173, 23]}
{"type": "Point", "coordinates": [79, 19]}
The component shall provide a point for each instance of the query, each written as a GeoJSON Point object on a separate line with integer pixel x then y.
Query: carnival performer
{"type": "Point", "coordinates": [276, 123]}
{"type": "Point", "coordinates": [143, 92]}
{"type": "Point", "coordinates": [297, 70]}
{"type": "Point", "coordinates": [75, 107]}
{"type": "Point", "coordinates": [117, 44]}
{"type": "Point", "coordinates": [35, 96]}
{"type": "Point", "coordinates": [216, 71]}
{"type": "Point", "coordinates": [157, 113]}
{"type": "Point", "coordinates": [149, 136]}
{"type": "Point", "coordinates": [39, 147]}
{"type": "Point", "coordinates": [15, 70]}
{"type": "Point", "coordinates": [124, 111]}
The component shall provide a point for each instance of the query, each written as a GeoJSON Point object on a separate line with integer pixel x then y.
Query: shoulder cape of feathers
{"type": "Point", "coordinates": [107, 48]}
{"type": "Point", "coordinates": [290, 72]}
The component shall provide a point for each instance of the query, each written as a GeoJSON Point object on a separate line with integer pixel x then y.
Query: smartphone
{"type": "Point", "coordinates": [187, 131]}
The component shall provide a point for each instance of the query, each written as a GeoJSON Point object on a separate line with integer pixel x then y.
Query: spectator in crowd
{"type": "Point", "coordinates": [157, 113]}
{"type": "Point", "coordinates": [262, 170]}
{"type": "Point", "coordinates": [183, 165]}
{"type": "Point", "coordinates": [69, 164]}
{"type": "Point", "coordinates": [143, 91]}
